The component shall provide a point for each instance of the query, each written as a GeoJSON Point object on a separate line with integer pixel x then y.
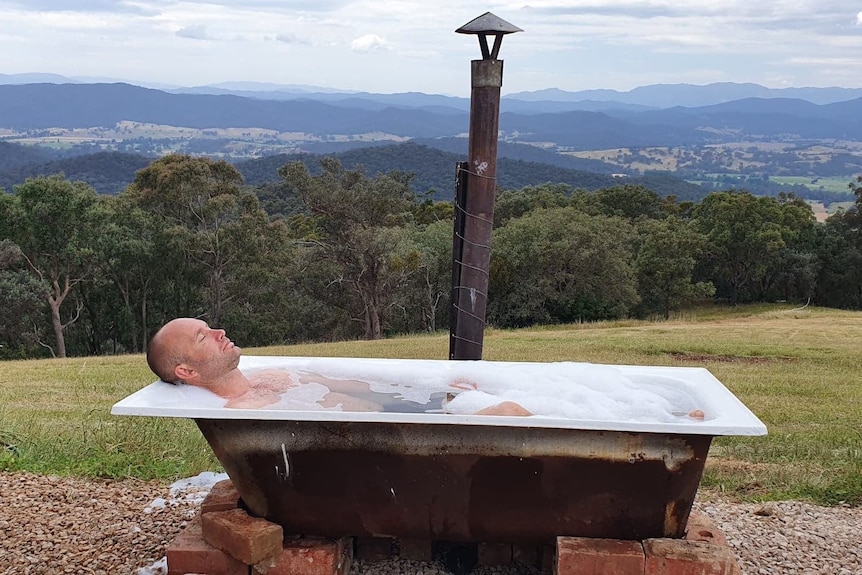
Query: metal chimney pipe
{"type": "Point", "coordinates": [476, 186]}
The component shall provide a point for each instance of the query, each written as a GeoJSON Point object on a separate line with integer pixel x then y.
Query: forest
{"type": "Point", "coordinates": [334, 253]}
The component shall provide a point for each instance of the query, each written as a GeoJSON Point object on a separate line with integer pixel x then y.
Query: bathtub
{"type": "Point", "coordinates": [413, 471]}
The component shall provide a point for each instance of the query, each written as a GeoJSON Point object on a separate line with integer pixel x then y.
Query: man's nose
{"type": "Point", "coordinates": [219, 333]}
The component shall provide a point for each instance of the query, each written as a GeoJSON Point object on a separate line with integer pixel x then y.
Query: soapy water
{"type": "Point", "coordinates": [569, 390]}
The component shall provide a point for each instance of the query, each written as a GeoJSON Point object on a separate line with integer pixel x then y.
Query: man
{"type": "Point", "coordinates": [187, 350]}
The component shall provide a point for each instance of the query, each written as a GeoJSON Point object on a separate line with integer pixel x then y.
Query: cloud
{"type": "Point", "coordinates": [195, 32]}
{"type": "Point", "coordinates": [291, 38]}
{"type": "Point", "coordinates": [859, 18]}
{"type": "Point", "coordinates": [279, 6]}
{"type": "Point", "coordinates": [369, 43]}
{"type": "Point", "coordinates": [627, 11]}
{"type": "Point", "coordinates": [102, 6]}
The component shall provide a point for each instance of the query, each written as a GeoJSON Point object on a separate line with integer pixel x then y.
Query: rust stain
{"type": "Point", "coordinates": [460, 483]}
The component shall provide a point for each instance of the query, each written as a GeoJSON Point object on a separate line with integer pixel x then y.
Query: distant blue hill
{"type": "Point", "coordinates": [545, 100]}
{"type": "Point", "coordinates": [691, 95]}
{"type": "Point", "coordinates": [47, 105]}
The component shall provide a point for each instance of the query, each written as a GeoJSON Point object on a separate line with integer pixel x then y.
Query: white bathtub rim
{"type": "Point", "coordinates": [731, 416]}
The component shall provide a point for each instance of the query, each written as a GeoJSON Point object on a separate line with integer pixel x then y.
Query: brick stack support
{"type": "Point", "coordinates": [703, 551]}
{"type": "Point", "coordinates": [224, 540]}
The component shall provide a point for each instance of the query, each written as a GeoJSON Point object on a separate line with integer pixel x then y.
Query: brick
{"type": "Point", "coordinates": [310, 556]}
{"type": "Point", "coordinates": [525, 554]}
{"type": "Point", "coordinates": [588, 556]}
{"type": "Point", "coordinates": [373, 548]}
{"type": "Point", "coordinates": [701, 528]}
{"type": "Point", "coordinates": [681, 557]}
{"type": "Point", "coordinates": [189, 553]}
{"type": "Point", "coordinates": [416, 549]}
{"type": "Point", "coordinates": [249, 539]}
{"type": "Point", "coordinates": [492, 554]}
{"type": "Point", "coordinates": [222, 497]}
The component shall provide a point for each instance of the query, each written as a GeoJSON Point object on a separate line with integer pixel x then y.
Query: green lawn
{"type": "Point", "coordinates": [798, 370]}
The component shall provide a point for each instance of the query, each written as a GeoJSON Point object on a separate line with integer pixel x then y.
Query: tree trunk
{"type": "Point", "coordinates": [371, 318]}
{"type": "Point", "coordinates": [376, 332]}
{"type": "Point", "coordinates": [58, 326]}
{"type": "Point", "coordinates": [127, 302]}
{"type": "Point", "coordinates": [55, 300]}
{"type": "Point", "coordinates": [433, 301]}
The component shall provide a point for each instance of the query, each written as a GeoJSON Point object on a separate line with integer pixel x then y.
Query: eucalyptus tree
{"type": "Point", "coordinates": [747, 239]}
{"type": "Point", "coordinates": [53, 221]}
{"type": "Point", "coordinates": [207, 220]}
{"type": "Point", "coordinates": [359, 236]}
{"type": "Point", "coordinates": [631, 202]}
{"type": "Point", "coordinates": [428, 293]}
{"type": "Point", "coordinates": [272, 304]}
{"type": "Point", "coordinates": [665, 266]}
{"type": "Point", "coordinates": [839, 256]}
{"type": "Point", "coordinates": [511, 204]}
{"type": "Point", "coordinates": [791, 274]}
{"type": "Point", "coordinates": [133, 256]}
{"type": "Point", "coordinates": [23, 303]}
{"type": "Point", "coordinates": [561, 265]}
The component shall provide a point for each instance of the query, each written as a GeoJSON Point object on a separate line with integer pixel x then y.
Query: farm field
{"type": "Point", "coordinates": [741, 159]}
{"type": "Point", "coordinates": [832, 184]}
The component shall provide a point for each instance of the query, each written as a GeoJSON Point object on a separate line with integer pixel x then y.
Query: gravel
{"type": "Point", "coordinates": [77, 526]}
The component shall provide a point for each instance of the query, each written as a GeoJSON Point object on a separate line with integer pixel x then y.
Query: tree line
{"type": "Point", "coordinates": [350, 255]}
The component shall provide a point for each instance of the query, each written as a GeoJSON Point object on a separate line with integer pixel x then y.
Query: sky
{"type": "Point", "coordinates": [390, 46]}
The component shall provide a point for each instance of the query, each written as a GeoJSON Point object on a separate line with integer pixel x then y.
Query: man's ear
{"type": "Point", "coordinates": [184, 372]}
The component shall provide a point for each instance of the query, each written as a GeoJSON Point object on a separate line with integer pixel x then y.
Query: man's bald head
{"type": "Point", "coordinates": [187, 350]}
{"type": "Point", "coordinates": [162, 356]}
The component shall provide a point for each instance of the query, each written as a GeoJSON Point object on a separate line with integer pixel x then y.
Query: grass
{"type": "Point", "coordinates": [797, 369]}
{"type": "Point", "coordinates": [831, 184]}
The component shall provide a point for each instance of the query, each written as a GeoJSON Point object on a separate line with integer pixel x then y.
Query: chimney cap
{"type": "Point", "coordinates": [488, 23]}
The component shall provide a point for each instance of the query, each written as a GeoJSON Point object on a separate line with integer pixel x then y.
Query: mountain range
{"type": "Point", "coordinates": [35, 107]}
{"type": "Point", "coordinates": [735, 133]}
{"type": "Point", "coordinates": [653, 96]}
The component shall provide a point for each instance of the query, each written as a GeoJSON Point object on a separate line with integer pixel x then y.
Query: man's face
{"type": "Point", "coordinates": [206, 350]}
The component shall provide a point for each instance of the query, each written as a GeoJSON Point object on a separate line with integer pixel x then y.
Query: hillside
{"type": "Point", "coordinates": [14, 156]}
{"type": "Point", "coordinates": [750, 142]}
{"type": "Point", "coordinates": [31, 108]}
{"type": "Point", "coordinates": [106, 172]}
{"type": "Point", "coordinates": [435, 171]}
{"type": "Point", "coordinates": [43, 106]}
{"type": "Point", "coordinates": [111, 172]}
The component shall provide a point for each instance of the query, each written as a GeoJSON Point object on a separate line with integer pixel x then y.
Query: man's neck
{"type": "Point", "coordinates": [232, 385]}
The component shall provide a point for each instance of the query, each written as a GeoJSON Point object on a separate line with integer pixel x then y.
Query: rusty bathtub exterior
{"type": "Point", "coordinates": [460, 483]}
